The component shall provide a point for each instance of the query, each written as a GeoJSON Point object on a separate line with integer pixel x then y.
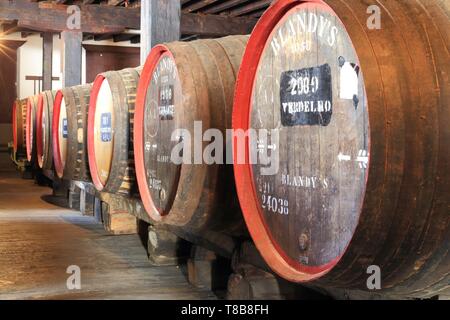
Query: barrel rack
{"type": "Point", "coordinates": [215, 261]}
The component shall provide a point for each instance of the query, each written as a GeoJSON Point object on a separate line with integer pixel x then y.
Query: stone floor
{"type": "Point", "coordinates": [40, 241]}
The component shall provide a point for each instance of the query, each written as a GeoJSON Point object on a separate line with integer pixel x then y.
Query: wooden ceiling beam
{"type": "Point", "coordinates": [215, 25]}
{"type": "Point", "coordinates": [50, 17]}
{"type": "Point", "coordinates": [225, 5]}
{"type": "Point", "coordinates": [123, 37]}
{"type": "Point", "coordinates": [249, 8]}
{"type": "Point", "coordinates": [198, 5]}
{"type": "Point", "coordinates": [136, 39]}
{"type": "Point", "coordinates": [101, 19]}
{"type": "Point", "coordinates": [115, 2]}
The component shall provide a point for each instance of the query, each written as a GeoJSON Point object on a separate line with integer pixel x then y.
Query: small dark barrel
{"type": "Point", "coordinates": [31, 128]}
{"type": "Point", "coordinates": [183, 82]}
{"type": "Point", "coordinates": [19, 118]}
{"type": "Point", "coordinates": [110, 131]}
{"type": "Point", "coordinates": [44, 130]}
{"type": "Point", "coordinates": [363, 119]}
{"type": "Point", "coordinates": [69, 129]}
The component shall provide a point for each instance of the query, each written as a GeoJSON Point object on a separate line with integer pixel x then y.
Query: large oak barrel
{"type": "Point", "coordinates": [19, 117]}
{"type": "Point", "coordinates": [69, 133]}
{"type": "Point", "coordinates": [44, 130]}
{"type": "Point", "coordinates": [362, 118]}
{"type": "Point", "coordinates": [110, 131]}
{"type": "Point", "coordinates": [31, 128]}
{"type": "Point", "coordinates": [182, 83]}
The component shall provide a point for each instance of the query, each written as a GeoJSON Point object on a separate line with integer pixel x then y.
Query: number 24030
{"type": "Point", "coordinates": [275, 204]}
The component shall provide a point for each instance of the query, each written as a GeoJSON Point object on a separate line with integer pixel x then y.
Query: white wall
{"type": "Point", "coordinates": [29, 61]}
{"type": "Point", "coordinates": [30, 64]}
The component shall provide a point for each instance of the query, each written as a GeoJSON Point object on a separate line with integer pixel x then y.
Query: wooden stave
{"type": "Point", "coordinates": [401, 265]}
{"type": "Point", "coordinates": [274, 14]}
{"type": "Point", "coordinates": [121, 177]}
{"type": "Point", "coordinates": [77, 125]}
{"type": "Point", "coordinates": [19, 116]}
{"type": "Point", "coordinates": [31, 128]}
{"type": "Point", "coordinates": [434, 275]}
{"type": "Point", "coordinates": [188, 211]}
{"type": "Point", "coordinates": [44, 150]}
{"type": "Point", "coordinates": [14, 126]}
{"type": "Point", "coordinates": [77, 102]}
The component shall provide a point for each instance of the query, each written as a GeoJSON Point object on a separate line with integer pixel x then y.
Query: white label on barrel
{"type": "Point", "coordinates": [105, 127]}
{"type": "Point", "coordinates": [348, 79]}
{"type": "Point", "coordinates": [306, 96]}
{"type": "Point", "coordinates": [308, 86]}
{"type": "Point", "coordinates": [165, 105]}
{"type": "Point", "coordinates": [65, 131]}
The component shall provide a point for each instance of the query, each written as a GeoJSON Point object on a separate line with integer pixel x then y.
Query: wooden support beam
{"type": "Point", "coordinates": [123, 37]}
{"type": "Point", "coordinates": [136, 39]}
{"type": "Point", "coordinates": [160, 22]}
{"type": "Point", "coordinates": [224, 5]}
{"type": "Point", "coordinates": [52, 17]}
{"type": "Point", "coordinates": [251, 7]}
{"type": "Point", "coordinates": [166, 25]}
{"type": "Point", "coordinates": [72, 57]}
{"type": "Point", "coordinates": [102, 37]}
{"type": "Point", "coordinates": [9, 27]}
{"type": "Point", "coordinates": [25, 34]}
{"type": "Point", "coordinates": [47, 61]}
{"type": "Point", "coordinates": [215, 25]}
{"type": "Point", "coordinates": [192, 7]}
{"type": "Point", "coordinates": [115, 2]}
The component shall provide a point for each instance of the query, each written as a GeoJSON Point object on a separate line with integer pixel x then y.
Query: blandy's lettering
{"type": "Point", "coordinates": [164, 77]}
{"type": "Point", "coordinates": [166, 66]}
{"type": "Point", "coordinates": [305, 23]}
{"type": "Point", "coordinates": [311, 182]}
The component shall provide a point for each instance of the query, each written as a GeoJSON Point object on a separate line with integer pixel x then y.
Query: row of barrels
{"type": "Point", "coordinates": [357, 119]}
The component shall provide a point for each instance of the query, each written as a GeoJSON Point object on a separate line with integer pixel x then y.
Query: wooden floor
{"type": "Point", "coordinates": [39, 241]}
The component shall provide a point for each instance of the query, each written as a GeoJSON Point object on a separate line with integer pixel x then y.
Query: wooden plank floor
{"type": "Point", "coordinates": [38, 241]}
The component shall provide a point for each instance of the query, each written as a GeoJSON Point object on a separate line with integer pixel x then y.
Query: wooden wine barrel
{"type": "Point", "coordinates": [182, 83]}
{"type": "Point", "coordinates": [363, 146]}
{"type": "Point", "coordinates": [44, 130]}
{"type": "Point", "coordinates": [110, 131]}
{"type": "Point", "coordinates": [31, 128]}
{"type": "Point", "coordinates": [19, 117]}
{"type": "Point", "coordinates": [69, 133]}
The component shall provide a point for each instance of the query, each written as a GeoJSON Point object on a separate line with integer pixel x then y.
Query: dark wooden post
{"type": "Point", "coordinates": [160, 22]}
{"type": "Point", "coordinates": [72, 57]}
{"type": "Point", "coordinates": [47, 61]}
